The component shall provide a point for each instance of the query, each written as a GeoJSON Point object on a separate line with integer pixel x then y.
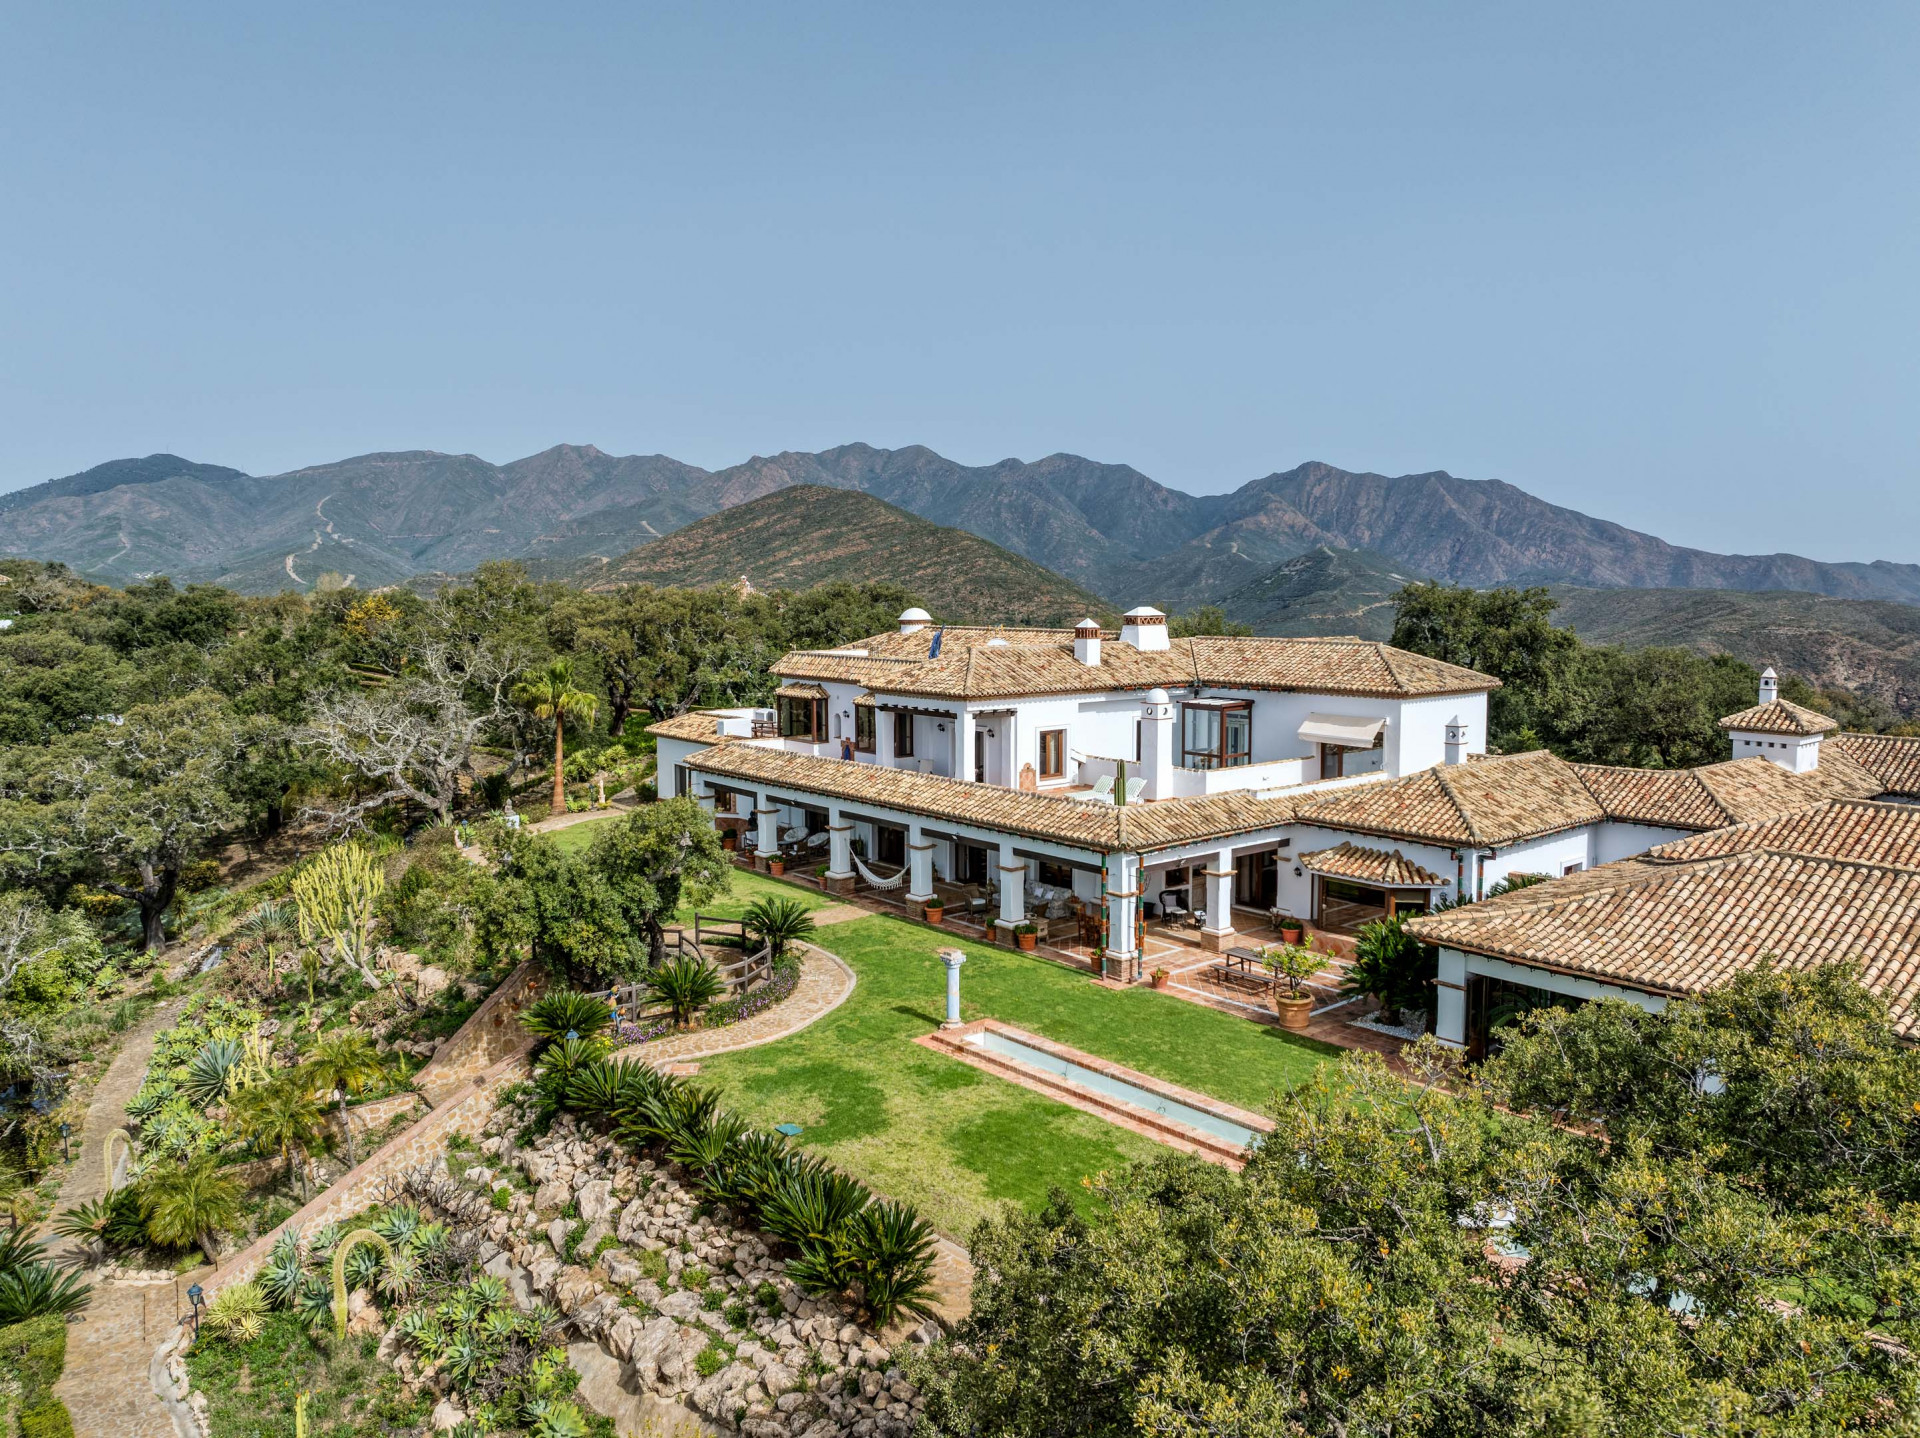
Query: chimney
{"type": "Point", "coordinates": [1769, 685]}
{"type": "Point", "coordinates": [1456, 741]}
{"type": "Point", "coordinates": [914, 620]}
{"type": "Point", "coordinates": [1086, 643]}
{"type": "Point", "coordinates": [1156, 743]}
{"type": "Point", "coordinates": [1145, 628]}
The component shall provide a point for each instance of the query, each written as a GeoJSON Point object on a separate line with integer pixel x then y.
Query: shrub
{"type": "Point", "coordinates": [49, 1420]}
{"type": "Point", "coordinates": [711, 1360]}
{"type": "Point", "coordinates": [565, 1013]}
{"type": "Point", "coordinates": [779, 923]}
{"type": "Point", "coordinates": [891, 1252]}
{"type": "Point", "coordinates": [1392, 965]}
{"type": "Point", "coordinates": [33, 1354]}
{"type": "Point", "coordinates": [686, 985]}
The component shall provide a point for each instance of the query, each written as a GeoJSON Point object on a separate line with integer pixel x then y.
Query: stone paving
{"type": "Point", "coordinates": [105, 1384]}
{"type": "Point", "coordinates": [825, 982]}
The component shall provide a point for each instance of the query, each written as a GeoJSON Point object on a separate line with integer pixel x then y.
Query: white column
{"type": "Point", "coordinates": [768, 815]}
{"type": "Point", "coordinates": [963, 745]}
{"type": "Point", "coordinates": [839, 845]}
{"type": "Point", "coordinates": [1217, 933]}
{"type": "Point", "coordinates": [1009, 727]}
{"type": "Point", "coordinates": [883, 722]}
{"type": "Point", "coordinates": [919, 865]}
{"type": "Point", "coordinates": [1123, 908]}
{"type": "Point", "coordinates": [1450, 1000]}
{"type": "Point", "coordinates": [1013, 887]}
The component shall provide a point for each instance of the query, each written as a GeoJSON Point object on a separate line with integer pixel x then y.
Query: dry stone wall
{"type": "Point", "coordinates": [485, 1039]}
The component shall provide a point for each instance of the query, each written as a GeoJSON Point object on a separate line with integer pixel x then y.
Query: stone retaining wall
{"type": "Point", "coordinates": [486, 1038]}
{"type": "Point", "coordinates": [465, 1112]}
{"type": "Point", "coordinates": [366, 1116]}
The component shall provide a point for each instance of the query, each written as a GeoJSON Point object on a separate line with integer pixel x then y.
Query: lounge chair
{"type": "Point", "coordinates": [1135, 787]}
{"type": "Point", "coordinates": [1103, 789]}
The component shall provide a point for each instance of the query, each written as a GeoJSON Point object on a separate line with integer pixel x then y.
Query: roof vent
{"type": "Point", "coordinates": [914, 620]}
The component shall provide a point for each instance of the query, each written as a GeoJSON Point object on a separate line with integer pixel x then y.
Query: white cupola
{"type": "Point", "coordinates": [1145, 628]}
{"type": "Point", "coordinates": [1769, 685]}
{"type": "Point", "coordinates": [914, 620]}
{"type": "Point", "coordinates": [1086, 643]}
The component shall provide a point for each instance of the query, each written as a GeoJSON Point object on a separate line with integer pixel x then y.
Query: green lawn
{"type": "Point", "coordinates": [748, 886]}
{"type": "Point", "coordinates": [577, 836]}
{"type": "Point", "coordinates": [953, 1140]}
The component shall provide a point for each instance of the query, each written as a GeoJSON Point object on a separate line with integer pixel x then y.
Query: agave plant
{"type": "Point", "coordinates": [891, 1251]}
{"type": "Point", "coordinates": [813, 1207]}
{"type": "Point", "coordinates": [397, 1224]}
{"type": "Point", "coordinates": [557, 1418]}
{"type": "Point", "coordinates": [430, 1238]}
{"type": "Point", "coordinates": [314, 1307]}
{"type": "Point", "coordinates": [400, 1279]}
{"type": "Point", "coordinates": [421, 1331]}
{"type": "Point", "coordinates": [464, 1360]}
{"type": "Point", "coordinates": [112, 1222]}
{"type": "Point", "coordinates": [321, 1244]}
{"type": "Point", "coordinates": [566, 1014]}
{"type": "Point", "coordinates": [238, 1312]}
{"type": "Point", "coordinates": [489, 1292]}
{"type": "Point", "coordinates": [363, 1267]}
{"type": "Point", "coordinates": [214, 1071]}
{"type": "Point", "coordinates": [281, 1277]}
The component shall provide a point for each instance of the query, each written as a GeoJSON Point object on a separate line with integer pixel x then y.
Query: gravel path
{"type": "Point", "coordinates": [105, 1384]}
{"type": "Point", "coordinates": [825, 982]}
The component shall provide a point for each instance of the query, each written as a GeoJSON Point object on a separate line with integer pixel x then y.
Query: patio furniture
{"type": "Point", "coordinates": [1135, 788]}
{"type": "Point", "coordinates": [1102, 789]}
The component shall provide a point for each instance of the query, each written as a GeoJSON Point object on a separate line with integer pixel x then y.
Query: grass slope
{"type": "Point", "coordinates": [1867, 646]}
{"type": "Point", "coordinates": [958, 1142]}
{"type": "Point", "coordinates": [805, 535]}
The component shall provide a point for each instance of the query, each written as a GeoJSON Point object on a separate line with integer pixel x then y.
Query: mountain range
{"type": "Point", "coordinates": [385, 518]}
{"type": "Point", "coordinates": [804, 535]}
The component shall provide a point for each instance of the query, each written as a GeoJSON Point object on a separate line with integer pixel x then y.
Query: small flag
{"type": "Point", "coordinates": [933, 649]}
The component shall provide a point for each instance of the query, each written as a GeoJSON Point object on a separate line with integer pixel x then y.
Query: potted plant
{"type": "Point", "coordinates": [1291, 929]}
{"type": "Point", "coordinates": [935, 910]}
{"type": "Point", "coordinates": [730, 840]}
{"type": "Point", "coordinates": [1098, 963]}
{"type": "Point", "coordinates": [1160, 977]}
{"type": "Point", "coordinates": [1028, 936]}
{"type": "Point", "coordinates": [777, 866]}
{"type": "Point", "coordinates": [1291, 966]}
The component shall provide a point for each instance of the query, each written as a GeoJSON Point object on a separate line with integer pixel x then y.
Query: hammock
{"type": "Point", "coordinates": [875, 881]}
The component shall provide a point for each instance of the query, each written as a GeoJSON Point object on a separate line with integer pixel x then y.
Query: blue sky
{"type": "Point", "coordinates": [1656, 262]}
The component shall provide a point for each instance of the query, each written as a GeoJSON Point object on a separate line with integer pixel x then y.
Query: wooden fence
{"type": "Point", "coordinates": [634, 1000]}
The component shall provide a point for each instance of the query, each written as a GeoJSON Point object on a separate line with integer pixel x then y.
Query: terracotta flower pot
{"type": "Point", "coordinates": [935, 913]}
{"type": "Point", "coordinates": [1160, 981]}
{"type": "Point", "coordinates": [1295, 1013]}
{"type": "Point", "coordinates": [776, 867]}
{"type": "Point", "coordinates": [1292, 935]}
{"type": "Point", "coordinates": [730, 841]}
{"type": "Point", "coordinates": [1028, 941]}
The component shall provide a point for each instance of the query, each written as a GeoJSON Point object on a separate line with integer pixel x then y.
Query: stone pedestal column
{"type": "Point", "coordinates": [953, 959]}
{"type": "Point", "coordinates": [919, 865]}
{"type": "Point", "coordinates": [1217, 934]}
{"type": "Point", "coordinates": [839, 875]}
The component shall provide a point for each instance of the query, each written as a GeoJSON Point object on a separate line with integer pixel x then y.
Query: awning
{"type": "Point", "coordinates": [865, 701]}
{"type": "Point", "coordinates": [1348, 730]}
{"type": "Point", "coordinates": [801, 691]}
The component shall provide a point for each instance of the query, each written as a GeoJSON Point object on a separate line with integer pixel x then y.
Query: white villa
{"type": "Point", "coordinates": [1091, 782]}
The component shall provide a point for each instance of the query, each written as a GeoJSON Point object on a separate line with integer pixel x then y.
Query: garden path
{"type": "Point", "coordinates": [105, 1385]}
{"type": "Point", "coordinates": [825, 982]}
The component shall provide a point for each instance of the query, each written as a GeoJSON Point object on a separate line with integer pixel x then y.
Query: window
{"type": "Point", "coordinates": [1136, 741]}
{"type": "Point", "coordinates": [802, 718]}
{"type": "Point", "coordinates": [1216, 734]}
{"type": "Point", "coordinates": [1053, 753]}
{"type": "Point", "coordinates": [1572, 868]}
{"type": "Point", "coordinates": [863, 727]}
{"type": "Point", "coordinates": [682, 781]}
{"type": "Point", "coordinates": [1059, 876]}
{"type": "Point", "coordinates": [902, 735]}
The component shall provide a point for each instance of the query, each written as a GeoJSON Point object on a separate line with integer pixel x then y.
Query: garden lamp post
{"type": "Point", "coordinates": [66, 1154]}
{"type": "Point", "coordinates": [196, 1296]}
{"type": "Point", "coordinates": [953, 959]}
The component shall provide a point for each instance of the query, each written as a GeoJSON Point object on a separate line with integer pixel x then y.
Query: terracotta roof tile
{"type": "Point", "coordinates": [1105, 828]}
{"type": "Point", "coordinates": [1857, 829]}
{"type": "Point", "coordinates": [1679, 928]}
{"type": "Point", "coordinates": [695, 725]}
{"type": "Point", "coordinates": [1780, 716]}
{"type": "Point", "coordinates": [1893, 759]}
{"type": "Point", "coordinates": [1040, 661]}
{"type": "Point", "coordinates": [1499, 800]}
{"type": "Point", "coordinates": [1371, 866]}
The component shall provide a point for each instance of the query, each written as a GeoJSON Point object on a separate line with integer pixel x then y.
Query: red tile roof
{"type": "Point", "coordinates": [1780, 716]}
{"type": "Point", "coordinates": [1893, 759]}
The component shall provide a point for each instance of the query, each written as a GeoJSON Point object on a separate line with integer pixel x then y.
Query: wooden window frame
{"type": "Point", "coordinates": [866, 728]}
{"type": "Point", "coordinates": [902, 735]}
{"type": "Point", "coordinates": [786, 705]}
{"type": "Point", "coordinates": [1056, 740]}
{"type": "Point", "coordinates": [1219, 756]}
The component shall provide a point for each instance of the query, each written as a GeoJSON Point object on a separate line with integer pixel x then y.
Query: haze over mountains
{"type": "Point", "coordinates": [384, 518]}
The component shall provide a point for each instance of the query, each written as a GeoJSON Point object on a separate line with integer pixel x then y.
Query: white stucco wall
{"type": "Point", "coordinates": [1622, 841]}
{"type": "Point", "coordinates": [1455, 968]}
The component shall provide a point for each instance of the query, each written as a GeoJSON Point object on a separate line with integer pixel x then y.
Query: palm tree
{"type": "Point", "coordinates": [282, 1115]}
{"type": "Point", "coordinates": [190, 1204]}
{"type": "Point", "coordinates": [344, 1062]}
{"type": "Point", "coordinates": [779, 923]}
{"type": "Point", "coordinates": [551, 694]}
